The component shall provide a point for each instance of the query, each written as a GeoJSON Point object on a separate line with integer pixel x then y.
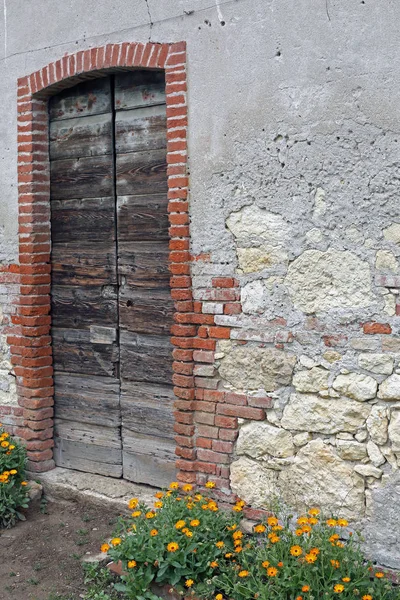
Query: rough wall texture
{"type": "Point", "coordinates": [293, 155]}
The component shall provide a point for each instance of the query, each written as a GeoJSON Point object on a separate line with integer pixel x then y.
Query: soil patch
{"type": "Point", "coordinates": [41, 558]}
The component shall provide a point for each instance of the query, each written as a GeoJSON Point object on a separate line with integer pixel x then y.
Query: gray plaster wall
{"type": "Point", "coordinates": [293, 113]}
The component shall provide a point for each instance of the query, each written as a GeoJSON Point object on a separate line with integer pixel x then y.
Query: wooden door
{"type": "Point", "coordinates": [84, 280]}
{"type": "Point", "coordinates": [145, 305]}
{"type": "Point", "coordinates": [111, 303]}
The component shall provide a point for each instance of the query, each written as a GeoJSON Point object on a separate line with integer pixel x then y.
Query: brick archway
{"type": "Point", "coordinates": [30, 339]}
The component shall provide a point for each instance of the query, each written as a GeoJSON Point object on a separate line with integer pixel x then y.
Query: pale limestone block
{"type": "Point", "coordinates": [253, 368]}
{"type": "Point", "coordinates": [254, 482]}
{"type": "Point", "coordinates": [365, 343]}
{"type": "Point", "coordinates": [392, 233]}
{"type": "Point", "coordinates": [332, 356]}
{"type": "Point", "coordinates": [386, 261]}
{"type": "Point", "coordinates": [319, 203]}
{"type": "Point", "coordinates": [368, 471]}
{"type": "Point", "coordinates": [344, 436]}
{"type": "Point", "coordinates": [390, 305]}
{"type": "Point", "coordinates": [376, 363]}
{"type": "Point", "coordinates": [301, 439]}
{"type": "Point", "coordinates": [394, 430]}
{"type": "Point", "coordinates": [319, 281]}
{"type": "Point", "coordinates": [356, 386]}
{"type": "Point", "coordinates": [253, 226]}
{"type": "Point", "coordinates": [354, 235]}
{"type": "Point", "coordinates": [377, 424]}
{"type": "Point", "coordinates": [390, 388]}
{"type": "Point", "coordinates": [307, 362]}
{"type": "Point", "coordinates": [375, 455]}
{"type": "Point", "coordinates": [319, 477]}
{"type": "Point", "coordinates": [390, 457]}
{"type": "Point", "coordinates": [350, 450]}
{"type": "Point", "coordinates": [259, 438]}
{"type": "Point", "coordinates": [361, 435]}
{"type": "Point", "coordinates": [314, 236]}
{"type": "Point", "coordinates": [254, 297]}
{"type": "Point", "coordinates": [306, 412]}
{"type": "Point", "coordinates": [312, 380]}
{"type": "Point", "coordinates": [252, 260]}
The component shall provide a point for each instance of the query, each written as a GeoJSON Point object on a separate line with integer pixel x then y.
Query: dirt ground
{"type": "Point", "coordinates": [40, 558]}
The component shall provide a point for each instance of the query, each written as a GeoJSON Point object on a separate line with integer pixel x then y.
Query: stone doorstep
{"type": "Point", "coordinates": [67, 485]}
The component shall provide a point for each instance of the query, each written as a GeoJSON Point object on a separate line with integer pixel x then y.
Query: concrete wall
{"type": "Point", "coordinates": [294, 165]}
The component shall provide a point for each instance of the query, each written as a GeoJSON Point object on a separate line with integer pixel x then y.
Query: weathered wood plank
{"type": "Point", "coordinates": [80, 307]}
{"type": "Point", "coordinates": [146, 311]}
{"type": "Point", "coordinates": [148, 408]}
{"type": "Point", "coordinates": [75, 351]}
{"type": "Point", "coordinates": [88, 177]}
{"type": "Point", "coordinates": [141, 129]}
{"type": "Point", "coordinates": [90, 458]}
{"type": "Point", "coordinates": [148, 459]}
{"type": "Point", "coordinates": [80, 264]}
{"type": "Point", "coordinates": [88, 399]}
{"type": "Point", "coordinates": [88, 98]}
{"type": "Point", "coordinates": [142, 173]}
{"type": "Point", "coordinates": [83, 220]}
{"type": "Point", "coordinates": [139, 88]}
{"type": "Point", "coordinates": [83, 136]}
{"type": "Point", "coordinates": [145, 358]}
{"type": "Point", "coordinates": [143, 218]}
{"type": "Point", "coordinates": [144, 264]}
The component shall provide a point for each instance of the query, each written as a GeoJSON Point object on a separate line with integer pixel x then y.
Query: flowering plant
{"type": "Point", "coordinates": [13, 487]}
{"type": "Point", "coordinates": [186, 541]}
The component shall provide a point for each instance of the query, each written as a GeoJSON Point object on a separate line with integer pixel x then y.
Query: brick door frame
{"type": "Point", "coordinates": [30, 338]}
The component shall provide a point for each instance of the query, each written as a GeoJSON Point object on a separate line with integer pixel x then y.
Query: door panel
{"type": "Point", "coordinates": [145, 305]}
{"type": "Point", "coordinates": [84, 280]}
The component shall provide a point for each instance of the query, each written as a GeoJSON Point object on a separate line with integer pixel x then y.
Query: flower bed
{"type": "Point", "coordinates": [13, 487]}
{"type": "Point", "coordinates": [186, 542]}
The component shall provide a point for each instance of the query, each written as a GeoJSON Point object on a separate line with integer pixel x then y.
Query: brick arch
{"type": "Point", "coordinates": [30, 339]}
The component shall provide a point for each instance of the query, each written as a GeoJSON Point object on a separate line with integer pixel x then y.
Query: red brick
{"type": "Point", "coordinates": [185, 441]}
{"type": "Point", "coordinates": [373, 328]}
{"type": "Point", "coordinates": [203, 356]}
{"type": "Point", "coordinates": [180, 282]}
{"type": "Point", "coordinates": [181, 294]}
{"type": "Point", "coordinates": [185, 477]}
{"type": "Point", "coordinates": [205, 418]}
{"type": "Point", "coordinates": [183, 417]}
{"type": "Point", "coordinates": [184, 429]}
{"type": "Point", "coordinates": [183, 330]}
{"type": "Point", "coordinates": [182, 368]}
{"type": "Point", "coordinates": [229, 435]}
{"type": "Point", "coordinates": [226, 422]}
{"type": "Point", "coordinates": [182, 342]}
{"type": "Point", "coordinates": [220, 446]}
{"type": "Point", "coordinates": [219, 332]}
{"type": "Point", "coordinates": [223, 282]}
{"type": "Point", "coordinates": [211, 456]}
{"type": "Point", "coordinates": [40, 467]}
{"type": "Point", "coordinates": [207, 431]}
{"type": "Point", "coordinates": [204, 344]}
{"type": "Point", "coordinates": [238, 399]}
{"type": "Point", "coordinates": [40, 444]}
{"type": "Point", "coordinates": [232, 308]}
{"type": "Point", "coordinates": [207, 467]}
{"type": "Point", "coordinates": [188, 453]}
{"type": "Point", "coordinates": [202, 332]}
{"type": "Point", "coordinates": [27, 433]}
{"type": "Point", "coordinates": [213, 396]}
{"type": "Point", "coordinates": [182, 380]}
{"type": "Point", "coordinates": [178, 244]}
{"type": "Point", "coordinates": [243, 412]}
{"type": "Point", "coordinates": [334, 340]}
{"type": "Point", "coordinates": [260, 401]}
{"type": "Point", "coordinates": [184, 404]}
{"type": "Point", "coordinates": [183, 355]}
{"type": "Point", "coordinates": [202, 442]}
{"type": "Point", "coordinates": [182, 306]}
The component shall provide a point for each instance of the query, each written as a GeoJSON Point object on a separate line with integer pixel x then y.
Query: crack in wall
{"type": "Point", "coordinates": [150, 19]}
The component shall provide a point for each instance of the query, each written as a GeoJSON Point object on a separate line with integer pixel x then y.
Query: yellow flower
{"type": "Point", "coordinates": [11, 447]}
{"type": "Point", "coordinates": [105, 548]}
{"type": "Point", "coordinates": [210, 485]}
{"type": "Point", "coordinates": [272, 571]}
{"type": "Point", "coordinates": [174, 485]}
{"type": "Point", "coordinates": [338, 588]}
{"type": "Point", "coordinates": [158, 504]}
{"type": "Point", "coordinates": [220, 544]}
{"type": "Point", "coordinates": [189, 534]}
{"type": "Point", "coordinates": [13, 472]}
{"type": "Point", "coordinates": [346, 579]}
{"type": "Point", "coordinates": [296, 551]}
{"type": "Point", "coordinates": [238, 549]}
{"type": "Point", "coordinates": [187, 487]}
{"type": "Point", "coordinates": [335, 564]}
{"type": "Point", "coordinates": [204, 506]}
{"type": "Point", "coordinates": [299, 532]}
{"type": "Point", "coordinates": [24, 483]}
{"type": "Point", "coordinates": [198, 497]}
{"type": "Point", "coordinates": [172, 547]}
{"type": "Point", "coordinates": [306, 528]}
{"type": "Point", "coordinates": [189, 583]}
{"type": "Point", "coordinates": [133, 502]}
{"type": "Point", "coordinates": [340, 544]}
{"type": "Point", "coordinates": [331, 522]}
{"type": "Point", "coordinates": [313, 521]}
{"type": "Point", "coordinates": [237, 535]}
{"type": "Point", "coordinates": [214, 564]}
{"type": "Point", "coordinates": [228, 555]}
{"type": "Point", "coordinates": [305, 588]}
{"type": "Point", "coordinates": [153, 532]}
{"type": "Point", "coordinates": [277, 528]}
{"type": "Point", "coordinates": [314, 512]}
{"type": "Point", "coordinates": [237, 508]}
{"type": "Point", "coordinates": [303, 520]}
{"type": "Point", "coordinates": [5, 444]}
{"type": "Point", "coordinates": [367, 597]}
{"type": "Point", "coordinates": [195, 523]}
{"type": "Point", "coordinates": [314, 551]}
{"type": "Point", "coordinates": [333, 538]}
{"type": "Point", "coordinates": [243, 573]}
{"type": "Point", "coordinates": [275, 539]}
{"type": "Point", "coordinates": [272, 521]}
{"type": "Point", "coordinates": [116, 541]}
{"type": "Point", "coordinates": [259, 528]}
{"type": "Point", "coordinates": [159, 495]}
{"type": "Point", "coordinates": [150, 515]}
{"type": "Point", "coordinates": [310, 558]}
{"type": "Point", "coordinates": [219, 597]}
{"type": "Point", "coordinates": [137, 513]}
{"type": "Point", "coordinates": [265, 564]}
{"type": "Point", "coordinates": [379, 575]}
{"type": "Point", "coordinates": [237, 543]}
{"type": "Point", "coordinates": [342, 523]}
{"type": "Point", "coordinates": [179, 524]}
{"type": "Point", "coordinates": [131, 564]}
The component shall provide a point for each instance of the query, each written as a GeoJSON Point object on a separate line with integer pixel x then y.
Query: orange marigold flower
{"type": "Point", "coordinates": [136, 513]}
{"type": "Point", "coordinates": [303, 520]}
{"type": "Point", "coordinates": [280, 564]}
{"type": "Point", "coordinates": [104, 548]}
{"type": "Point", "coordinates": [265, 564]}
{"type": "Point", "coordinates": [214, 564]}
{"type": "Point", "coordinates": [172, 547]}
{"type": "Point", "coordinates": [189, 533]}
{"type": "Point", "coordinates": [313, 521]}
{"type": "Point", "coordinates": [340, 544]}
{"type": "Point", "coordinates": [232, 527]}
{"type": "Point", "coordinates": [228, 555]}
{"type": "Point", "coordinates": [159, 495]}
{"type": "Point", "coordinates": [131, 564]}
{"type": "Point", "coordinates": [314, 551]}
{"type": "Point", "coordinates": [210, 485]}
{"type": "Point", "coordinates": [237, 542]}
{"type": "Point", "coordinates": [367, 597]}
{"type": "Point", "coordinates": [331, 522]}
{"type": "Point", "coordinates": [346, 579]}
{"type": "Point", "coordinates": [379, 575]}
{"type": "Point", "coordinates": [219, 597]}
{"type": "Point", "coordinates": [237, 508]}
{"type": "Point", "coordinates": [259, 528]}
{"type": "Point", "coordinates": [189, 583]}
{"type": "Point", "coordinates": [237, 535]}
{"type": "Point", "coordinates": [220, 544]}
{"type": "Point", "coordinates": [306, 528]}
{"type": "Point", "coordinates": [299, 532]}
{"type": "Point", "coordinates": [277, 528]}
{"type": "Point", "coordinates": [116, 541]}
{"type": "Point", "coordinates": [310, 558]}
{"type": "Point", "coordinates": [238, 549]}
{"type": "Point", "coordinates": [272, 521]}
{"type": "Point", "coordinates": [272, 571]}
{"type": "Point", "coordinates": [153, 532]}
{"type": "Point", "coordinates": [342, 523]}
{"type": "Point", "coordinates": [24, 483]}
{"type": "Point", "coordinates": [314, 512]}
{"type": "Point", "coordinates": [174, 485]}
{"type": "Point", "coordinates": [333, 538]}
{"type": "Point", "coordinates": [299, 597]}
{"type": "Point", "coordinates": [275, 539]}
{"type": "Point", "coordinates": [150, 515]}
{"type": "Point", "coordinates": [187, 487]}
{"type": "Point", "coordinates": [179, 524]}
{"type": "Point", "coordinates": [195, 523]}
{"type": "Point", "coordinates": [243, 573]}
{"type": "Point", "coordinates": [13, 472]}
{"type": "Point", "coordinates": [296, 551]}
{"type": "Point", "coordinates": [305, 588]}
{"type": "Point", "coordinates": [338, 588]}
{"type": "Point", "coordinates": [335, 564]}
{"type": "Point", "coordinates": [158, 504]}
{"type": "Point", "coordinates": [133, 502]}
